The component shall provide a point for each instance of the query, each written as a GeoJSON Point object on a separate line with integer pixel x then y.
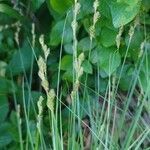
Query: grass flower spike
{"type": "Point", "coordinates": [43, 74]}
{"type": "Point", "coordinates": [95, 19]}
{"type": "Point", "coordinates": [40, 111]}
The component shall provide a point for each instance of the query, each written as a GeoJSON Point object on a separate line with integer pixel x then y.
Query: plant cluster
{"type": "Point", "coordinates": [75, 74]}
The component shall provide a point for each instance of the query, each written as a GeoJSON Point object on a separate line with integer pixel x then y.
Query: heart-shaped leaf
{"type": "Point", "coordinates": [67, 63]}
{"type": "Point", "coordinates": [107, 58]}
{"type": "Point", "coordinates": [123, 11]}
{"type": "Point", "coordinates": [60, 6]}
{"type": "Point", "coordinates": [57, 33]}
{"type": "Point", "coordinates": [21, 60]}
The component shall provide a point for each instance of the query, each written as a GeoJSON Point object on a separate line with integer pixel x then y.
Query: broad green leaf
{"type": "Point", "coordinates": [104, 8]}
{"type": "Point", "coordinates": [9, 11]}
{"type": "Point", "coordinates": [135, 45]}
{"type": "Point", "coordinates": [5, 140]}
{"type": "Point", "coordinates": [86, 24]}
{"type": "Point", "coordinates": [137, 39]}
{"type": "Point", "coordinates": [146, 5]}
{"type": "Point", "coordinates": [85, 44]}
{"type": "Point", "coordinates": [87, 67]}
{"type": "Point", "coordinates": [2, 68]}
{"type": "Point", "coordinates": [6, 86]}
{"type": "Point", "coordinates": [5, 137]}
{"type": "Point", "coordinates": [126, 77]}
{"type": "Point", "coordinates": [32, 126]}
{"type": "Point", "coordinates": [61, 6]}
{"type": "Point", "coordinates": [4, 108]}
{"type": "Point", "coordinates": [13, 130]}
{"type": "Point", "coordinates": [86, 8]}
{"type": "Point", "coordinates": [29, 97]}
{"type": "Point", "coordinates": [37, 4]}
{"type": "Point", "coordinates": [94, 56]}
{"type": "Point", "coordinates": [67, 63]}
{"type": "Point", "coordinates": [124, 11]}
{"type": "Point", "coordinates": [68, 48]}
{"type": "Point", "coordinates": [104, 23]}
{"type": "Point", "coordinates": [145, 74]}
{"type": "Point", "coordinates": [107, 58]}
{"type": "Point", "coordinates": [54, 79]}
{"type": "Point", "coordinates": [21, 60]}
{"type": "Point", "coordinates": [103, 74]}
{"type": "Point", "coordinates": [68, 75]}
{"type": "Point", "coordinates": [145, 19]}
{"type": "Point", "coordinates": [57, 33]}
{"type": "Point", "coordinates": [108, 37]}
{"type": "Point", "coordinates": [52, 59]}
{"type": "Point", "coordinates": [144, 81]}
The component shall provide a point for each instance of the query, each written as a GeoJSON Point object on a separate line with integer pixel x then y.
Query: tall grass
{"type": "Point", "coordinates": [105, 125]}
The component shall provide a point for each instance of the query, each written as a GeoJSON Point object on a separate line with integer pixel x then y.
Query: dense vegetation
{"type": "Point", "coordinates": [75, 74]}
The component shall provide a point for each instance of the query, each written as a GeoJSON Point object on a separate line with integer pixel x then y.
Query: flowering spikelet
{"type": "Point", "coordinates": [3, 67]}
{"type": "Point", "coordinates": [132, 27]}
{"type": "Point", "coordinates": [33, 35]}
{"type": "Point", "coordinates": [39, 104]}
{"type": "Point", "coordinates": [81, 59]}
{"type": "Point", "coordinates": [95, 19]}
{"type": "Point", "coordinates": [79, 73]}
{"type": "Point", "coordinates": [45, 49]}
{"type": "Point", "coordinates": [40, 111]}
{"type": "Point", "coordinates": [76, 63]}
{"type": "Point", "coordinates": [141, 49]}
{"type": "Point", "coordinates": [118, 37]}
{"type": "Point", "coordinates": [50, 99]}
{"type": "Point", "coordinates": [43, 74]}
{"type": "Point", "coordinates": [77, 8]}
{"type": "Point", "coordinates": [95, 5]}
{"type": "Point", "coordinates": [5, 27]}
{"type": "Point", "coordinates": [131, 31]}
{"type": "Point", "coordinates": [18, 114]}
{"type": "Point", "coordinates": [17, 32]}
{"type": "Point", "coordinates": [17, 25]}
{"type": "Point", "coordinates": [74, 26]}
